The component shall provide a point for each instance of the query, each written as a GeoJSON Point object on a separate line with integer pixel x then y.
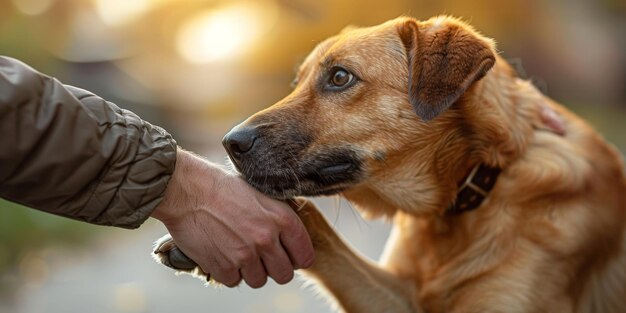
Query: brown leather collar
{"type": "Point", "coordinates": [474, 189]}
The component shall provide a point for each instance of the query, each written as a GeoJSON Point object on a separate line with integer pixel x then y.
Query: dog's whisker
{"type": "Point", "coordinates": [359, 219]}
{"type": "Point", "coordinates": [337, 214]}
{"type": "Point", "coordinates": [293, 172]}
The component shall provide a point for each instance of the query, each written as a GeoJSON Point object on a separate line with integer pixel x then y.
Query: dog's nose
{"type": "Point", "coordinates": [239, 141]}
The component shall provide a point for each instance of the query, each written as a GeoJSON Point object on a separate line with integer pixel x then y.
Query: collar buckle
{"type": "Point", "coordinates": [476, 187]}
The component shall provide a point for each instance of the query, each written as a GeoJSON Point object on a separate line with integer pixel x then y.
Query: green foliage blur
{"type": "Point", "coordinates": [608, 121]}
{"type": "Point", "coordinates": [23, 229]}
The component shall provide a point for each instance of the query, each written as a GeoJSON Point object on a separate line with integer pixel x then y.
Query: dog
{"type": "Point", "coordinates": [501, 199]}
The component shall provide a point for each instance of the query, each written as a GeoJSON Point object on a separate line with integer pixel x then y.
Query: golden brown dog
{"type": "Point", "coordinates": [501, 199]}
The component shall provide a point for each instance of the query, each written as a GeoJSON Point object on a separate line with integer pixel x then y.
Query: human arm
{"type": "Point", "coordinates": [68, 152]}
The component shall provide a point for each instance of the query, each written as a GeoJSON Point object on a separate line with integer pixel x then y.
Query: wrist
{"type": "Point", "coordinates": [166, 209]}
{"type": "Point", "coordinates": [192, 177]}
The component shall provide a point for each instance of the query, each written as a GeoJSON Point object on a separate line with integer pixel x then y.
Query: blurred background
{"type": "Point", "coordinates": [199, 67]}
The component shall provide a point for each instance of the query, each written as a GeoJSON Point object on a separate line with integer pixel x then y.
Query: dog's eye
{"type": "Point", "coordinates": [340, 77]}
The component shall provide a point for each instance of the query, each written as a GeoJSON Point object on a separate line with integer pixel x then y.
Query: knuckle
{"type": "Point", "coordinates": [265, 240]}
{"type": "Point", "coordinates": [285, 220]}
{"type": "Point", "coordinates": [246, 256]}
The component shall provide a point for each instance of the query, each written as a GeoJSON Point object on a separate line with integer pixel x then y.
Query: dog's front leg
{"type": "Point", "coordinates": [358, 285]}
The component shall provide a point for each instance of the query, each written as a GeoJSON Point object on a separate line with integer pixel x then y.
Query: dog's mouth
{"type": "Point", "coordinates": [323, 174]}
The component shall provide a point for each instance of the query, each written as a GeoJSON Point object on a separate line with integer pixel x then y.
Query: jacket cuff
{"type": "Point", "coordinates": [146, 176]}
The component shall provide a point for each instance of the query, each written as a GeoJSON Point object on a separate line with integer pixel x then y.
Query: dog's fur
{"type": "Point", "coordinates": [430, 101]}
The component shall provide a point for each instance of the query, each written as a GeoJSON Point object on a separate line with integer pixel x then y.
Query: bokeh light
{"type": "Point", "coordinates": [120, 12]}
{"type": "Point", "coordinates": [33, 7]}
{"type": "Point", "coordinates": [224, 33]}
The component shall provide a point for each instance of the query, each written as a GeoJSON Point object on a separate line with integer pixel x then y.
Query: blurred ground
{"type": "Point", "coordinates": [199, 67]}
{"type": "Point", "coordinates": [115, 274]}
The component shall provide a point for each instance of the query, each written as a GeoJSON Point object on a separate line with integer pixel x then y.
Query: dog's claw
{"type": "Point", "coordinates": [179, 261]}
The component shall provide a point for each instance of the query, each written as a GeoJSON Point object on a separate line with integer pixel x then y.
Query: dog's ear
{"type": "Point", "coordinates": [445, 57]}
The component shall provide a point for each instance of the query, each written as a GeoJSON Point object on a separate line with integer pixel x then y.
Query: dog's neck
{"type": "Point", "coordinates": [490, 125]}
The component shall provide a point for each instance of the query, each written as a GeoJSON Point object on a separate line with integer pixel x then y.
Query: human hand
{"type": "Point", "coordinates": [229, 229]}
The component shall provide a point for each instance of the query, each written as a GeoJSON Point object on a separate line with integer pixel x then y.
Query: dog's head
{"type": "Point", "coordinates": [371, 108]}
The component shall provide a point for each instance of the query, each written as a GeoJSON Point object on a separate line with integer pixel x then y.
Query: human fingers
{"type": "Point", "coordinates": [227, 275]}
{"type": "Point", "coordinates": [276, 261]}
{"type": "Point", "coordinates": [254, 274]}
{"type": "Point", "coordinates": [296, 240]}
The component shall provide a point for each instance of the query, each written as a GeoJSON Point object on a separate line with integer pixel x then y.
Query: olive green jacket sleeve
{"type": "Point", "coordinates": [67, 151]}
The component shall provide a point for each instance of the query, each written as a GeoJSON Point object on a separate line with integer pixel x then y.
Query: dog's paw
{"type": "Point", "coordinates": [167, 253]}
{"type": "Point", "coordinates": [321, 233]}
